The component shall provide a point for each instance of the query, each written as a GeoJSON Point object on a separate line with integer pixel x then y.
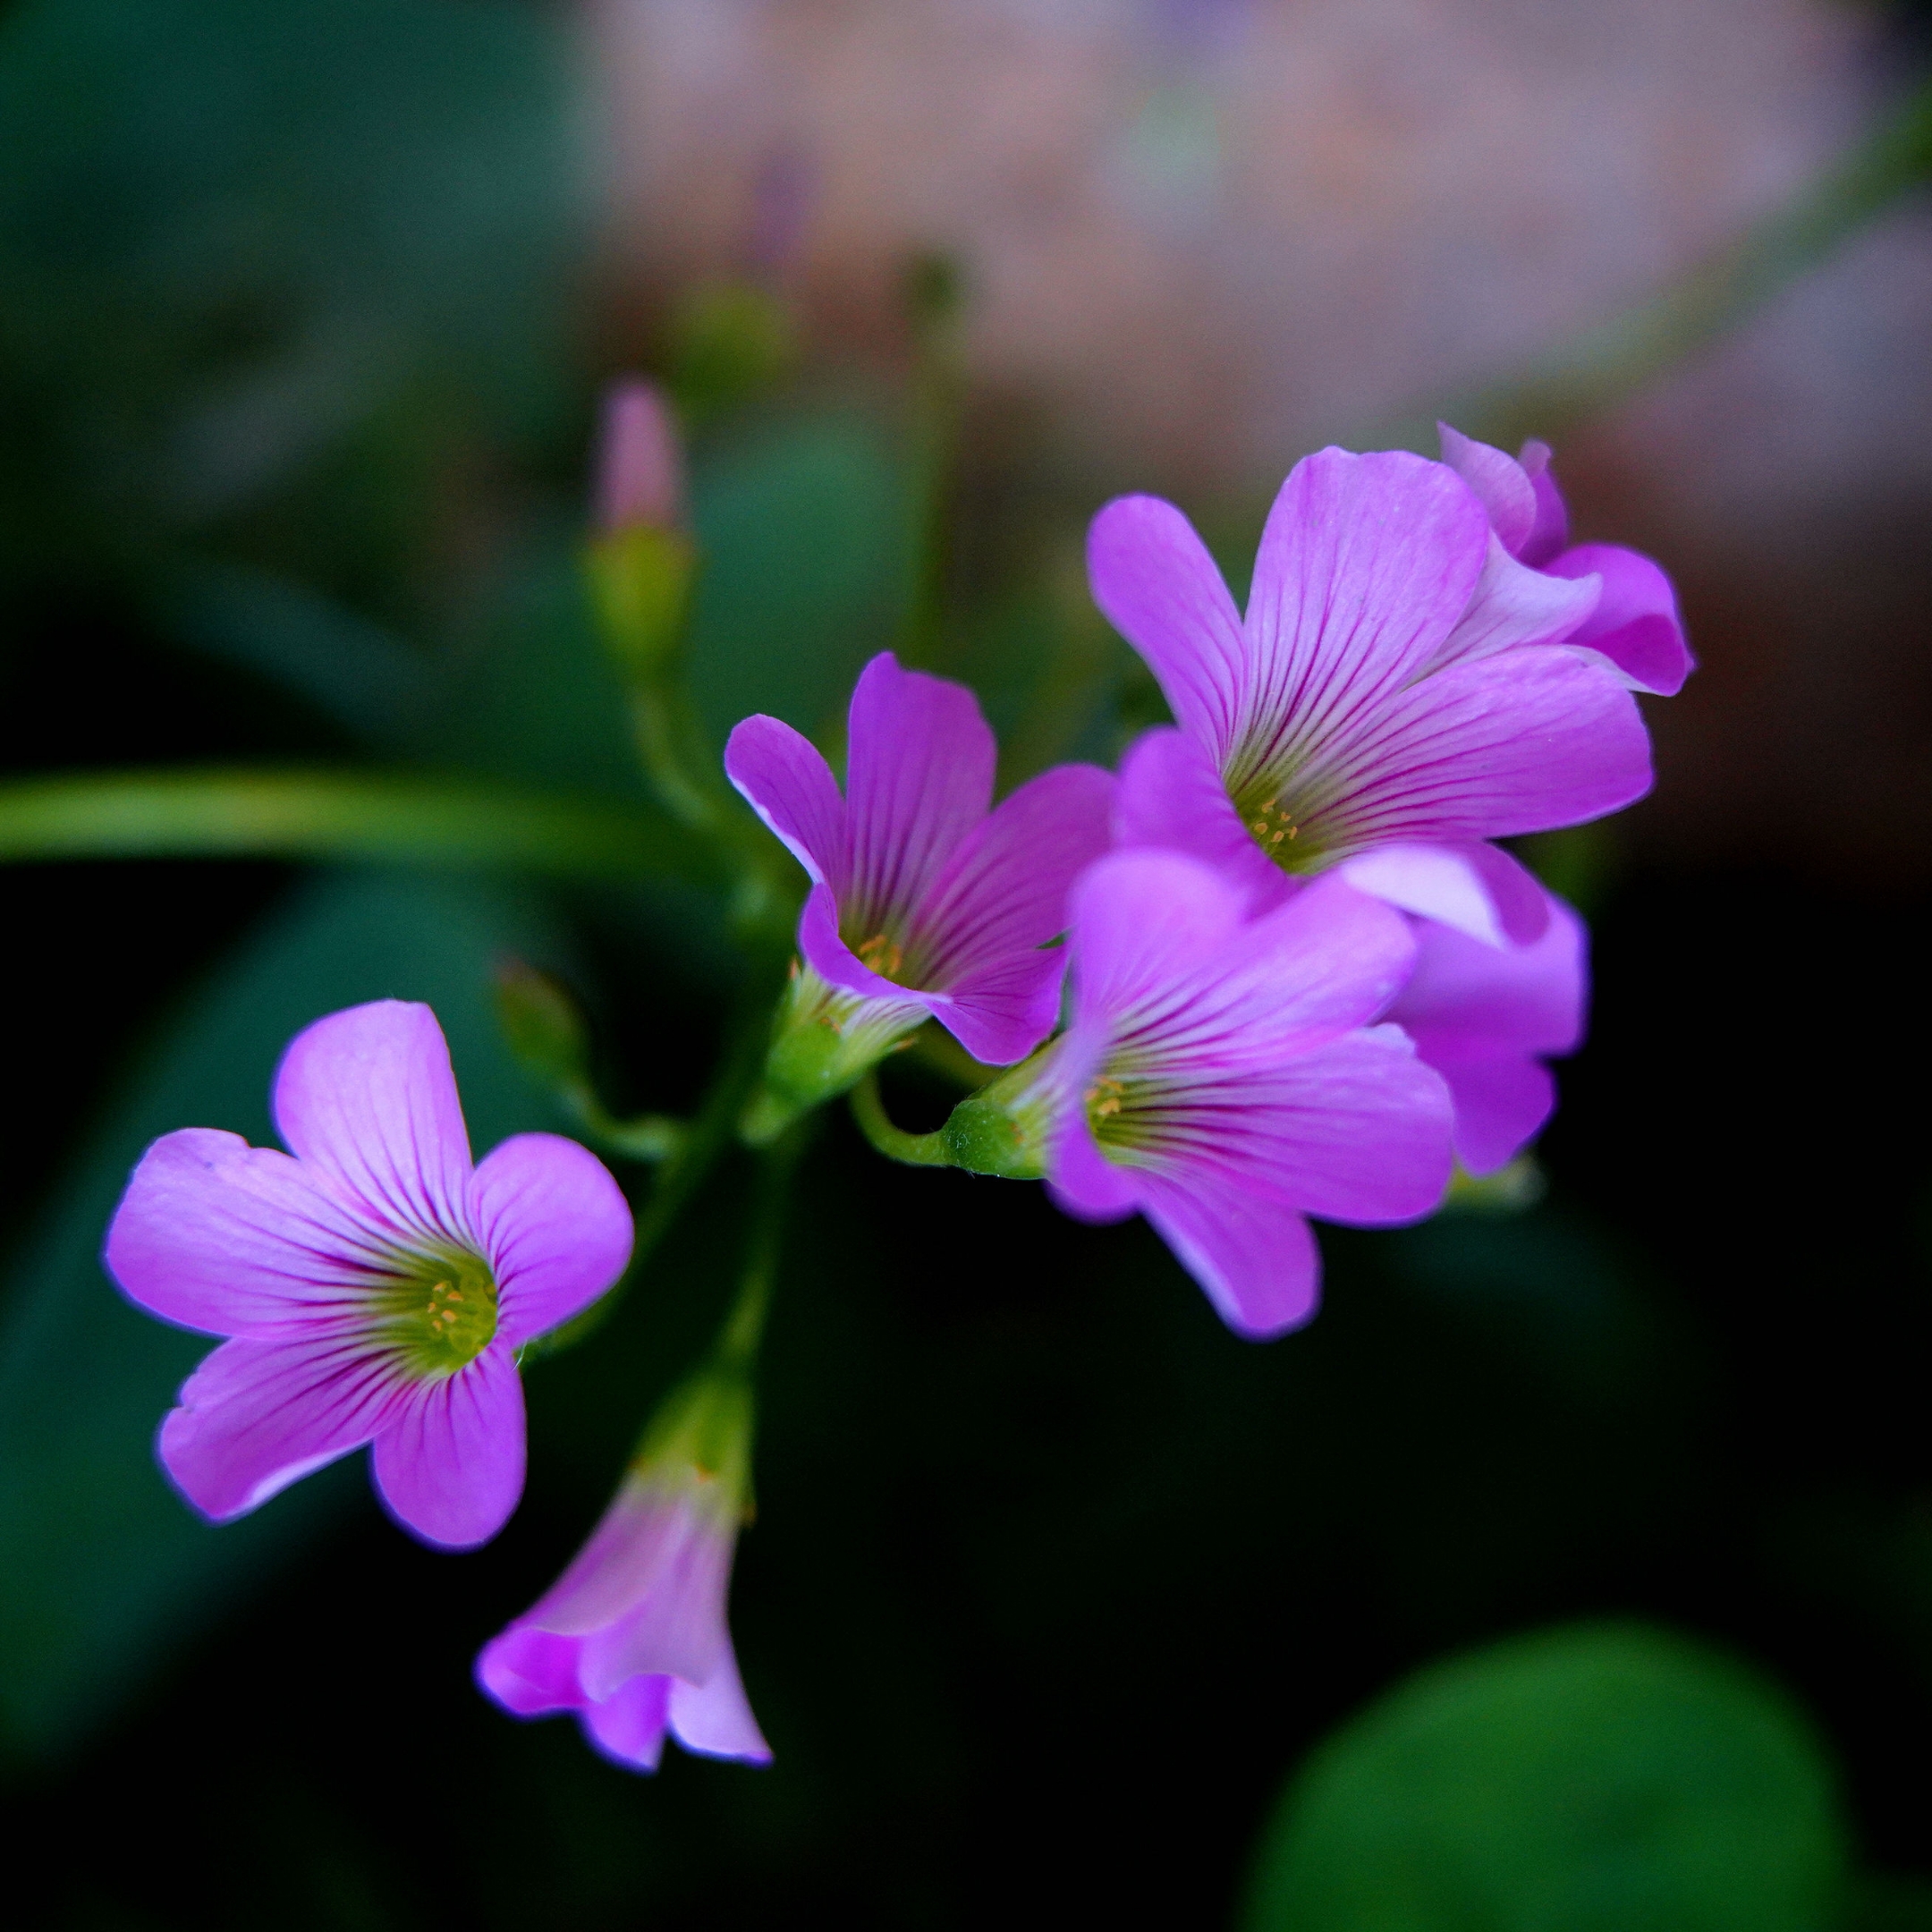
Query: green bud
{"type": "Point", "coordinates": [541, 1024]}
{"type": "Point", "coordinates": [1007, 1127]}
{"type": "Point", "coordinates": [640, 583]}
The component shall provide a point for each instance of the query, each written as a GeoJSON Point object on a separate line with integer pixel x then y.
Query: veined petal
{"type": "Point", "coordinates": [828, 955]}
{"type": "Point", "coordinates": [785, 781]}
{"type": "Point", "coordinates": [367, 1097]}
{"type": "Point", "coordinates": [1143, 923]}
{"type": "Point", "coordinates": [1171, 796]}
{"type": "Point", "coordinates": [233, 1239]}
{"type": "Point", "coordinates": [677, 1628]}
{"type": "Point", "coordinates": [1521, 743]}
{"type": "Point", "coordinates": [1157, 585]}
{"type": "Point", "coordinates": [1355, 1130]}
{"type": "Point", "coordinates": [1514, 606]}
{"type": "Point", "coordinates": [919, 778]}
{"type": "Point", "coordinates": [1004, 889]}
{"type": "Point", "coordinates": [1476, 888]}
{"type": "Point", "coordinates": [1002, 1013]}
{"type": "Point", "coordinates": [1252, 1253]}
{"type": "Point", "coordinates": [1082, 1181]}
{"type": "Point", "coordinates": [1499, 481]}
{"type": "Point", "coordinates": [1365, 565]}
{"type": "Point", "coordinates": [715, 1717]}
{"type": "Point", "coordinates": [1635, 623]}
{"type": "Point", "coordinates": [555, 1227]}
{"type": "Point", "coordinates": [258, 1415]}
{"type": "Point", "coordinates": [449, 1461]}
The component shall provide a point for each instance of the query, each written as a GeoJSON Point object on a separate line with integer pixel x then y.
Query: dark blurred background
{"type": "Point", "coordinates": [304, 307]}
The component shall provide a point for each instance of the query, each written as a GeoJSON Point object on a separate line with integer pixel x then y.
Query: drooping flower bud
{"type": "Point", "coordinates": [632, 1637]}
{"type": "Point", "coordinates": [641, 559]}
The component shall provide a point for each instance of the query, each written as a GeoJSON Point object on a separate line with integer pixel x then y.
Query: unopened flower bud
{"type": "Point", "coordinates": [640, 561]}
{"type": "Point", "coordinates": [541, 1024]}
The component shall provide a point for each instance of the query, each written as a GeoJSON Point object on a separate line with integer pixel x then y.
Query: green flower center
{"type": "Point", "coordinates": [442, 1310]}
{"type": "Point", "coordinates": [1115, 1111]}
{"type": "Point", "coordinates": [1278, 825]}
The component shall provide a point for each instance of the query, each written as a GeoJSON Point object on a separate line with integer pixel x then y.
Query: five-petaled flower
{"type": "Point", "coordinates": [375, 1284]}
{"type": "Point", "coordinates": [632, 1637]}
{"type": "Point", "coordinates": [1223, 1076]}
{"type": "Point", "coordinates": [925, 900]}
{"type": "Point", "coordinates": [1400, 691]}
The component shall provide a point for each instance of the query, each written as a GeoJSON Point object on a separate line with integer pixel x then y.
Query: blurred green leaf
{"type": "Point", "coordinates": [233, 235]}
{"type": "Point", "coordinates": [806, 532]}
{"type": "Point", "coordinates": [1599, 1778]}
{"type": "Point", "coordinates": [337, 815]}
{"type": "Point", "coordinates": [104, 1567]}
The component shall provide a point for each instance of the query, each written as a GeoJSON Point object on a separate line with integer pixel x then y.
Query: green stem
{"type": "Point", "coordinates": [663, 733]}
{"type": "Point", "coordinates": [646, 1137]}
{"type": "Point", "coordinates": [744, 1327]}
{"type": "Point", "coordinates": [707, 1136]}
{"type": "Point", "coordinates": [916, 1151]}
{"type": "Point", "coordinates": [323, 815]}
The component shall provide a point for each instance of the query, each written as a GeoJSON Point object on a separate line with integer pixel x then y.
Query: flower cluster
{"type": "Point", "coordinates": [1277, 968]}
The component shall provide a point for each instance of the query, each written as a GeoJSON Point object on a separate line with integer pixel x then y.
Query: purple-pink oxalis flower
{"type": "Point", "coordinates": [1221, 1074]}
{"type": "Point", "coordinates": [926, 901]}
{"type": "Point", "coordinates": [1400, 691]}
{"type": "Point", "coordinates": [632, 1637]}
{"type": "Point", "coordinates": [375, 1285]}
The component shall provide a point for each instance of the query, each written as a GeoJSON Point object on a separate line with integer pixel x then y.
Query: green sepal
{"type": "Point", "coordinates": [823, 1041]}
{"type": "Point", "coordinates": [641, 581]}
{"type": "Point", "coordinates": [705, 1425]}
{"type": "Point", "coordinates": [1006, 1128]}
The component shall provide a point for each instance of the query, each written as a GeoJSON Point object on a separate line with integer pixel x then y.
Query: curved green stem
{"type": "Point", "coordinates": [916, 1151]}
{"type": "Point", "coordinates": [645, 1136]}
{"type": "Point", "coordinates": [338, 815]}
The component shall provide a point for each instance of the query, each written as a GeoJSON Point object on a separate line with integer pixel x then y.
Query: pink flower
{"type": "Point", "coordinates": [1400, 691]}
{"type": "Point", "coordinates": [1634, 623]}
{"type": "Point", "coordinates": [375, 1286]}
{"type": "Point", "coordinates": [1221, 1076]}
{"type": "Point", "coordinates": [925, 900]}
{"type": "Point", "coordinates": [640, 461]}
{"type": "Point", "coordinates": [632, 1635]}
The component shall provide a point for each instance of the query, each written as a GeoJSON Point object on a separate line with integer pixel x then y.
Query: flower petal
{"type": "Point", "coordinates": [1475, 887]}
{"type": "Point", "coordinates": [919, 778]}
{"type": "Point", "coordinates": [828, 955]}
{"type": "Point", "coordinates": [676, 1623]}
{"type": "Point", "coordinates": [1253, 1254]}
{"type": "Point", "coordinates": [555, 1227]}
{"type": "Point", "coordinates": [1171, 796]}
{"type": "Point", "coordinates": [1500, 1106]}
{"type": "Point", "coordinates": [785, 781]}
{"type": "Point", "coordinates": [256, 1415]}
{"type": "Point", "coordinates": [1635, 623]}
{"type": "Point", "coordinates": [630, 1725]}
{"type": "Point", "coordinates": [1366, 564]}
{"type": "Point", "coordinates": [531, 1671]}
{"type": "Point", "coordinates": [1521, 743]}
{"type": "Point", "coordinates": [1082, 1181]}
{"type": "Point", "coordinates": [1004, 889]}
{"type": "Point", "coordinates": [1514, 606]}
{"type": "Point", "coordinates": [1498, 480]}
{"type": "Point", "coordinates": [1481, 1015]}
{"type": "Point", "coordinates": [714, 1716]}
{"type": "Point", "coordinates": [229, 1239]}
{"type": "Point", "coordinates": [449, 1464]}
{"type": "Point", "coordinates": [1157, 585]}
{"type": "Point", "coordinates": [368, 1097]}
{"type": "Point", "coordinates": [1552, 530]}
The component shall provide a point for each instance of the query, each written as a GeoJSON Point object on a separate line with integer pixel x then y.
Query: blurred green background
{"type": "Point", "coordinates": [1574, 1570]}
